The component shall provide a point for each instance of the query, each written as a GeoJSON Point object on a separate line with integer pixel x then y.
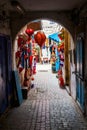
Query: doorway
{"type": "Point", "coordinates": [80, 90]}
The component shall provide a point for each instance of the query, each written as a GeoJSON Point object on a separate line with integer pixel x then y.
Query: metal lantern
{"type": "Point", "coordinates": [40, 38]}
{"type": "Point", "coordinates": [29, 31]}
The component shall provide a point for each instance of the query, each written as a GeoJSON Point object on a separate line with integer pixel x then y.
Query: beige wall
{"type": "Point", "coordinates": [72, 69]}
{"type": "Point", "coordinates": [66, 65]}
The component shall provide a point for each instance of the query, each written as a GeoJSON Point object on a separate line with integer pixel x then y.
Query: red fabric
{"type": "Point", "coordinates": [19, 41]}
{"type": "Point", "coordinates": [28, 50]}
{"type": "Point", "coordinates": [62, 46]}
{"type": "Point", "coordinates": [58, 49]}
{"type": "Point", "coordinates": [25, 57]}
{"type": "Point", "coordinates": [32, 78]}
{"type": "Point", "coordinates": [61, 57]}
{"type": "Point", "coordinates": [61, 36]}
{"type": "Point", "coordinates": [30, 60]}
{"type": "Point", "coordinates": [20, 69]}
{"type": "Point", "coordinates": [34, 70]}
{"type": "Point", "coordinates": [18, 54]}
{"type": "Point", "coordinates": [61, 81]}
{"type": "Point", "coordinates": [59, 72]}
{"type": "Point", "coordinates": [28, 41]}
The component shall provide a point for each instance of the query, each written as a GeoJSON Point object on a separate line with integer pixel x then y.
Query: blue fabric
{"type": "Point", "coordinates": [54, 37]}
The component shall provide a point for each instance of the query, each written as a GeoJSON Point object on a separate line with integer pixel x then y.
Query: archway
{"type": "Point", "coordinates": [69, 58]}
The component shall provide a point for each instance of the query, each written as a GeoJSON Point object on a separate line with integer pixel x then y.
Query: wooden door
{"type": "Point", "coordinates": [5, 72]}
{"type": "Point", "coordinates": [3, 98]}
{"type": "Point", "coordinates": [80, 72]}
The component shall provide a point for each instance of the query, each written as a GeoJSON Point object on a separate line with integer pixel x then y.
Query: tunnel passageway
{"type": "Point", "coordinates": [48, 107]}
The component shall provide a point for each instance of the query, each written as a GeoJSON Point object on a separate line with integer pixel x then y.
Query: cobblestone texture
{"type": "Point", "coordinates": [48, 107]}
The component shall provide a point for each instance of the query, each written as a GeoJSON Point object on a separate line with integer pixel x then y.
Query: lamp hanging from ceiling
{"type": "Point", "coordinates": [18, 6]}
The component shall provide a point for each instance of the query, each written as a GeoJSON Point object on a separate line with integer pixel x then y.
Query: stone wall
{"type": "Point", "coordinates": [63, 18]}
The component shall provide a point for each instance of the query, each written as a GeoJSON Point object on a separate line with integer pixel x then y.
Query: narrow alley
{"type": "Point", "coordinates": [48, 107]}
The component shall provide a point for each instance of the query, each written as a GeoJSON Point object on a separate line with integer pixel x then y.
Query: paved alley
{"type": "Point", "coordinates": [48, 107]}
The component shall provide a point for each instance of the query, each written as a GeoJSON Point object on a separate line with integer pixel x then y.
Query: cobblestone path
{"type": "Point", "coordinates": [48, 107]}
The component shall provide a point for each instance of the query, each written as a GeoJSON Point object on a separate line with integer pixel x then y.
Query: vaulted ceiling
{"type": "Point", "coordinates": [37, 5]}
{"type": "Point", "coordinates": [44, 5]}
{"type": "Point", "coordinates": [77, 10]}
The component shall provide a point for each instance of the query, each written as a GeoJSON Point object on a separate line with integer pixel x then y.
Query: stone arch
{"type": "Point", "coordinates": [63, 18]}
{"type": "Point", "coordinates": [17, 23]}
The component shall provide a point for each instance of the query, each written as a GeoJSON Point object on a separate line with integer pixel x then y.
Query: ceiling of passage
{"type": "Point", "coordinates": [44, 5]}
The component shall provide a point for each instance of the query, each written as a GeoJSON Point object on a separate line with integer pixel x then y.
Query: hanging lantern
{"type": "Point", "coordinates": [29, 31]}
{"type": "Point", "coordinates": [40, 38]}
